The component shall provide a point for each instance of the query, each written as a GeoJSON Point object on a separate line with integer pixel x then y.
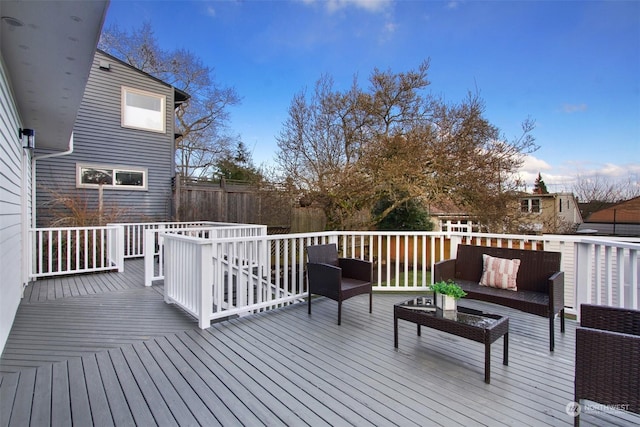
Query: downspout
{"type": "Point", "coordinates": [33, 176]}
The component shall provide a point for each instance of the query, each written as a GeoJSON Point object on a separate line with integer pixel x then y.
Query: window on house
{"type": "Point", "coordinates": [530, 205]}
{"type": "Point", "coordinates": [90, 176]}
{"type": "Point", "coordinates": [560, 201]}
{"type": "Point", "coordinates": [535, 205]}
{"type": "Point", "coordinates": [143, 110]}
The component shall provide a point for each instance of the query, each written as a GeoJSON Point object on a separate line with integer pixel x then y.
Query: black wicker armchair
{"type": "Point", "coordinates": [608, 357]}
{"type": "Point", "coordinates": [337, 278]}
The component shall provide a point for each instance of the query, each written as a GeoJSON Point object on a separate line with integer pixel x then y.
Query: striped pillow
{"type": "Point", "coordinates": [499, 272]}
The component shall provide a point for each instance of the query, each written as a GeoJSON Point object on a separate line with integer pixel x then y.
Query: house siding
{"type": "Point", "coordinates": [100, 139]}
{"type": "Point", "coordinates": [14, 207]}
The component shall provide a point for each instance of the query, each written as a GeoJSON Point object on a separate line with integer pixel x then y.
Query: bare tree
{"type": "Point", "coordinates": [201, 120]}
{"type": "Point", "coordinates": [598, 188]}
{"type": "Point", "coordinates": [397, 143]}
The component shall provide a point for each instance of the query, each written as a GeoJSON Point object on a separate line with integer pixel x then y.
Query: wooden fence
{"type": "Point", "coordinates": [241, 203]}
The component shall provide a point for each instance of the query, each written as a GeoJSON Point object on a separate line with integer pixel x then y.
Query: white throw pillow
{"type": "Point", "coordinates": [499, 272]}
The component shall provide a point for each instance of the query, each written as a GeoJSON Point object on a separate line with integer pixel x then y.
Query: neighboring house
{"type": "Point", "coordinates": [550, 213]}
{"type": "Point", "coordinates": [46, 51]}
{"type": "Point", "coordinates": [124, 141]}
{"type": "Point", "coordinates": [622, 219]}
{"type": "Point", "coordinates": [447, 216]}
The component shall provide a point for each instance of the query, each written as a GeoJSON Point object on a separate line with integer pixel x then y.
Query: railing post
{"type": "Point", "coordinates": [633, 277]}
{"type": "Point", "coordinates": [149, 255]}
{"type": "Point", "coordinates": [120, 247]}
{"type": "Point", "coordinates": [205, 278]}
{"type": "Point", "coordinates": [583, 268]}
{"type": "Point", "coordinates": [455, 240]}
{"type": "Point", "coordinates": [115, 246]}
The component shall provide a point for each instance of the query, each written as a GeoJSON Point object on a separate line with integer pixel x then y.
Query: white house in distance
{"type": "Point", "coordinates": [46, 52]}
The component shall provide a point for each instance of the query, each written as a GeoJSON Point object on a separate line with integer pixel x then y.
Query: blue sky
{"type": "Point", "coordinates": [572, 66]}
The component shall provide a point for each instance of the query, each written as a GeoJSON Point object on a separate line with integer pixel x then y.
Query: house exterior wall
{"type": "Point", "coordinates": [100, 139]}
{"type": "Point", "coordinates": [14, 207]}
{"type": "Point", "coordinates": [569, 212]}
{"type": "Point", "coordinates": [558, 213]}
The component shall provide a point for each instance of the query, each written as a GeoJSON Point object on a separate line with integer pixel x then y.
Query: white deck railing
{"type": "Point", "coordinates": [72, 250]}
{"type": "Point", "coordinates": [134, 233]}
{"type": "Point", "coordinates": [254, 273]}
{"type": "Point", "coordinates": [607, 273]}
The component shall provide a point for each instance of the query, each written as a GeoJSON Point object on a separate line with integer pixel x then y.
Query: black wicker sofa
{"type": "Point", "coordinates": [540, 283]}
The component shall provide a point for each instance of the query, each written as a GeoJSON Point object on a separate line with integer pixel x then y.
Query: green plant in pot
{"type": "Point", "coordinates": [446, 294]}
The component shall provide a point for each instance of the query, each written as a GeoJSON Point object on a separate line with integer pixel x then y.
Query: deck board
{"type": "Point", "coordinates": [133, 392]}
{"type": "Point", "coordinates": [114, 393]}
{"type": "Point", "coordinates": [101, 349]}
{"type": "Point", "coordinates": [60, 399]}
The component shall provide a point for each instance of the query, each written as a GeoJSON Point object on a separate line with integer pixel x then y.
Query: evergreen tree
{"type": "Point", "coordinates": [539, 187]}
{"type": "Point", "coordinates": [238, 166]}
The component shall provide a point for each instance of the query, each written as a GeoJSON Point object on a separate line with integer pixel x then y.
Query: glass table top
{"type": "Point", "coordinates": [464, 315]}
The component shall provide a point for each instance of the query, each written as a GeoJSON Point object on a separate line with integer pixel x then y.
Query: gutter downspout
{"type": "Point", "coordinates": [33, 176]}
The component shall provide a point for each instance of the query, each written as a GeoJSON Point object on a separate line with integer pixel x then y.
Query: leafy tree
{"type": "Point", "coordinates": [409, 216]}
{"type": "Point", "coordinates": [539, 187]}
{"type": "Point", "coordinates": [201, 120]}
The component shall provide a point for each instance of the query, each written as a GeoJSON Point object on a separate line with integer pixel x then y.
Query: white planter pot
{"type": "Point", "coordinates": [446, 302]}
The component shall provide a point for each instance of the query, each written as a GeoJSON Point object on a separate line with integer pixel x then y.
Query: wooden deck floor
{"type": "Point", "coordinates": [111, 352]}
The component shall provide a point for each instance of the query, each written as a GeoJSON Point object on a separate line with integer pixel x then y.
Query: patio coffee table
{"type": "Point", "coordinates": [465, 322]}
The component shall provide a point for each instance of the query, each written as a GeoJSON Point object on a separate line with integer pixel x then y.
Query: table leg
{"type": "Point", "coordinates": [395, 331]}
{"type": "Point", "coordinates": [419, 334]}
{"type": "Point", "coordinates": [505, 353]}
{"type": "Point", "coordinates": [487, 362]}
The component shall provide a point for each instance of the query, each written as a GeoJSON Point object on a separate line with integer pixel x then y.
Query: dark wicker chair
{"type": "Point", "coordinates": [608, 357]}
{"type": "Point", "coordinates": [337, 278]}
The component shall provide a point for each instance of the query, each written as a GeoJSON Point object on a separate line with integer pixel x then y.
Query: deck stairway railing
{"type": "Point", "coordinates": [153, 242]}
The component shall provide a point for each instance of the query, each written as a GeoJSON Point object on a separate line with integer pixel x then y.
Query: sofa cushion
{"type": "Point", "coordinates": [499, 272]}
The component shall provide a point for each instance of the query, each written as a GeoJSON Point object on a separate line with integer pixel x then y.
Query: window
{"type": "Point", "coordinates": [535, 205]}
{"type": "Point", "coordinates": [530, 205]}
{"type": "Point", "coordinates": [143, 110]}
{"type": "Point", "coordinates": [125, 178]}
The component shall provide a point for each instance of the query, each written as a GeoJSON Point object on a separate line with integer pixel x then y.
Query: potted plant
{"type": "Point", "coordinates": [446, 294]}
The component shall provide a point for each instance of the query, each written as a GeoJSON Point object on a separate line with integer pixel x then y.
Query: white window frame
{"type": "Point", "coordinates": [126, 121]}
{"type": "Point", "coordinates": [529, 203]}
{"type": "Point", "coordinates": [114, 170]}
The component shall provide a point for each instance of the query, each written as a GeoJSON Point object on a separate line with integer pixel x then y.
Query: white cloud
{"type": "Point", "coordinates": [368, 5]}
{"type": "Point", "coordinates": [534, 165]}
{"type": "Point", "coordinates": [390, 27]}
{"type": "Point", "coordinates": [452, 5]}
{"type": "Point", "coordinates": [211, 11]}
{"type": "Point", "coordinates": [574, 108]}
{"type": "Point", "coordinates": [561, 178]}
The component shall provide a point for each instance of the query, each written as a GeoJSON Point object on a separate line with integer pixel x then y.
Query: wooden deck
{"type": "Point", "coordinates": [103, 350]}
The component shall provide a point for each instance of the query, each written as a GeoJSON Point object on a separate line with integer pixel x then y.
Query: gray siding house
{"type": "Point", "coordinates": [121, 158]}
